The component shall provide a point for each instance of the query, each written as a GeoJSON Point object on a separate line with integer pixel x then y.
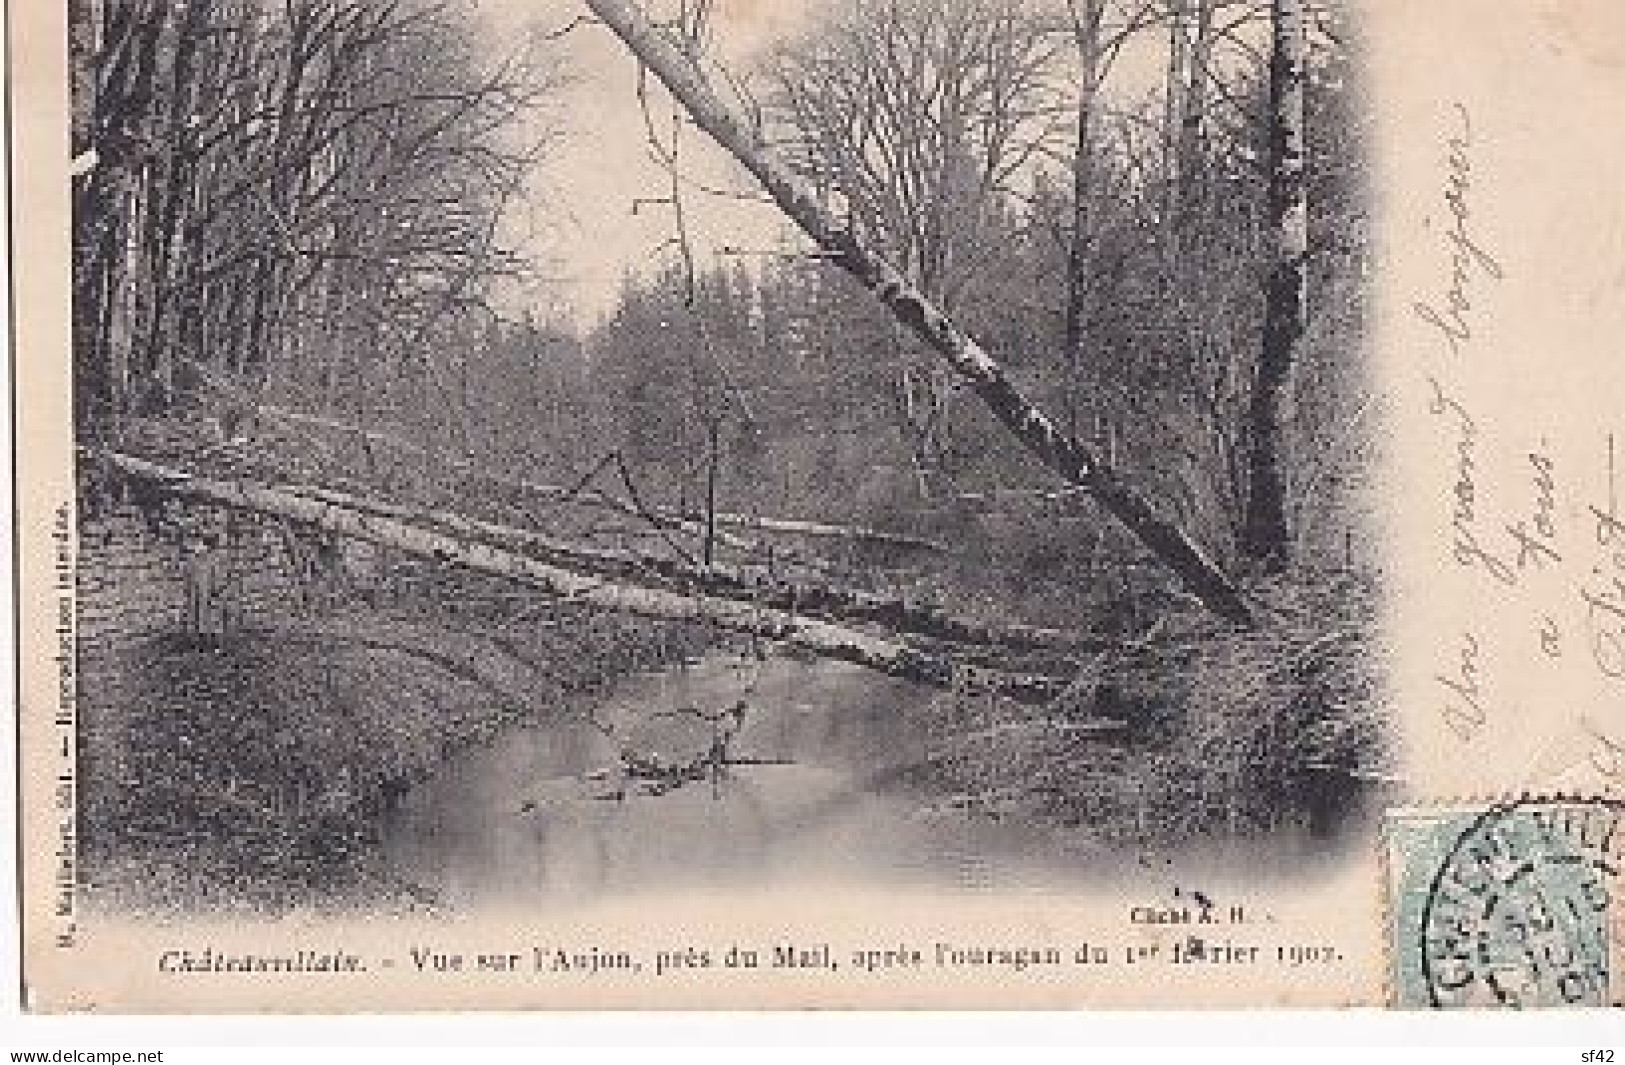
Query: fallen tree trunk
{"type": "Point", "coordinates": [1066, 455]}
{"type": "Point", "coordinates": [758, 588]}
{"type": "Point", "coordinates": [820, 638]}
{"type": "Point", "coordinates": [816, 530]}
{"type": "Point", "coordinates": [586, 497]}
{"type": "Point", "coordinates": [665, 517]}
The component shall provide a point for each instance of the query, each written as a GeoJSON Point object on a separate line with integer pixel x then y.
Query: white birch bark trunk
{"type": "Point", "coordinates": [1067, 456]}
{"type": "Point", "coordinates": [821, 638]}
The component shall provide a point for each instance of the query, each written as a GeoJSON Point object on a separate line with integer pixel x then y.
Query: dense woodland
{"type": "Point", "coordinates": [288, 199]}
{"type": "Point", "coordinates": [1125, 289]}
{"type": "Point", "coordinates": [292, 236]}
{"type": "Point", "coordinates": [303, 203]}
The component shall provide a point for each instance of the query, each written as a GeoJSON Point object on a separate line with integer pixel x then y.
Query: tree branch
{"type": "Point", "coordinates": [1065, 455]}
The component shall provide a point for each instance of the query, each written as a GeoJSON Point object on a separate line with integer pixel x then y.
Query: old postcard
{"type": "Point", "coordinates": [532, 504]}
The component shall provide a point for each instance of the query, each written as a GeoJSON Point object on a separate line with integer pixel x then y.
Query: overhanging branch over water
{"type": "Point", "coordinates": [606, 581]}
{"type": "Point", "coordinates": [1065, 455]}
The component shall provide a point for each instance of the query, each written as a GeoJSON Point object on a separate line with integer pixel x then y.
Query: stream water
{"type": "Point", "coordinates": [526, 817]}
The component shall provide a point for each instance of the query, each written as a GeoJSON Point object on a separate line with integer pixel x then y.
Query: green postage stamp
{"type": "Point", "coordinates": [786, 504]}
{"type": "Point", "coordinates": [1510, 904]}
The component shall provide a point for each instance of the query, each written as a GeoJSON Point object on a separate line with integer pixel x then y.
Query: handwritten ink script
{"type": "Point", "coordinates": [1603, 588]}
{"type": "Point", "coordinates": [1451, 314]}
{"type": "Point", "coordinates": [1534, 522]}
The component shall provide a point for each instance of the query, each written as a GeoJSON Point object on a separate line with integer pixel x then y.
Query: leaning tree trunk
{"type": "Point", "coordinates": [743, 585]}
{"type": "Point", "coordinates": [664, 518]}
{"type": "Point", "coordinates": [821, 638]}
{"type": "Point", "coordinates": [1062, 453]}
{"type": "Point", "coordinates": [1265, 536]}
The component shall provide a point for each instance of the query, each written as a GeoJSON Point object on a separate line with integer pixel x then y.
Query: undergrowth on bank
{"type": "Point", "coordinates": [1227, 732]}
{"type": "Point", "coordinates": [253, 776]}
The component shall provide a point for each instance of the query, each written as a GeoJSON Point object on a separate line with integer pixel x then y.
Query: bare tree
{"type": "Point", "coordinates": [1072, 459]}
{"type": "Point", "coordinates": [920, 118]}
{"type": "Point", "coordinates": [1265, 536]}
{"type": "Point", "coordinates": [254, 172]}
{"type": "Point", "coordinates": [1098, 41]}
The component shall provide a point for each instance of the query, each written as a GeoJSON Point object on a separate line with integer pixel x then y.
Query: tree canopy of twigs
{"type": "Point", "coordinates": [289, 191]}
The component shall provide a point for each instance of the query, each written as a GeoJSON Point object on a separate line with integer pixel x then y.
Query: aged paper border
{"type": "Point", "coordinates": [1583, 39]}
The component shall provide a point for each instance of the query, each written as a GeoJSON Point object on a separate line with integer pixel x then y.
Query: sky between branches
{"type": "Point", "coordinates": [580, 222]}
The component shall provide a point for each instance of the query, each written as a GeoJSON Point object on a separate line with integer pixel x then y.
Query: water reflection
{"type": "Point", "coordinates": [523, 818]}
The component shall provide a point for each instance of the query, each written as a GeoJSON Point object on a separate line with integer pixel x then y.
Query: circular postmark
{"type": "Point", "coordinates": [1519, 911]}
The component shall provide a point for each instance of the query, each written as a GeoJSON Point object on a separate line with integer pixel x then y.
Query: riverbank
{"type": "Point", "coordinates": [390, 757]}
{"type": "Point", "coordinates": [252, 776]}
{"type": "Point", "coordinates": [1233, 733]}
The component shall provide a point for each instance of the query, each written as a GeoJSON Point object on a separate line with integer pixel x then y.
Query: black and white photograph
{"type": "Point", "coordinates": [937, 449]}
{"type": "Point", "coordinates": [535, 461]}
